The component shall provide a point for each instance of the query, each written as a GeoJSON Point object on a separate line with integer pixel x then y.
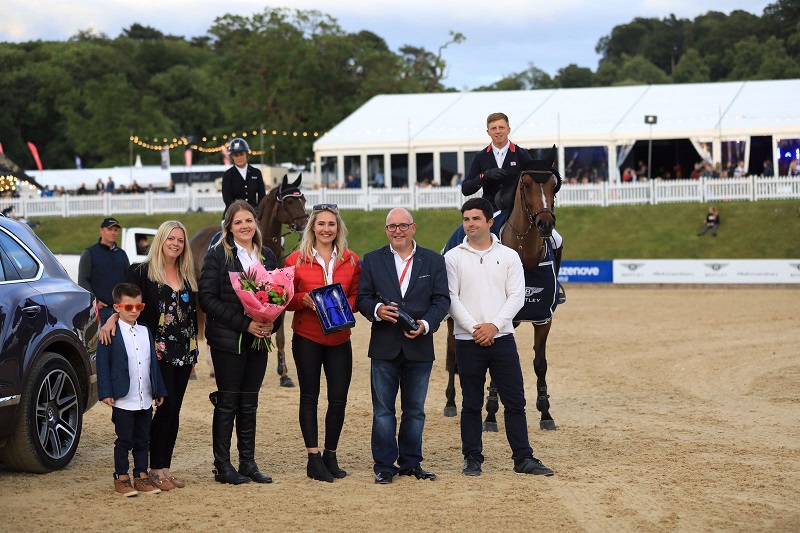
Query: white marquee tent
{"type": "Point", "coordinates": [390, 132]}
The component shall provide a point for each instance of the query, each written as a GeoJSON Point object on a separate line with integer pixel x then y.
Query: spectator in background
{"type": "Point", "coordinates": [352, 182]}
{"type": "Point", "coordinates": [697, 172]}
{"type": "Point", "coordinates": [739, 171]}
{"type": "Point", "coordinates": [712, 222]}
{"type": "Point", "coordinates": [379, 179]}
{"type": "Point", "coordinates": [82, 190]}
{"type": "Point", "coordinates": [768, 171]}
{"type": "Point", "coordinates": [102, 266]}
{"type": "Point", "coordinates": [627, 176]}
{"type": "Point", "coordinates": [793, 169]}
{"type": "Point", "coordinates": [100, 188]}
{"type": "Point", "coordinates": [110, 185]}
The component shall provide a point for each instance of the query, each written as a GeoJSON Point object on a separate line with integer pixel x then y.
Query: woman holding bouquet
{"type": "Point", "coordinates": [322, 259]}
{"type": "Point", "coordinates": [169, 293]}
{"type": "Point", "coordinates": [237, 343]}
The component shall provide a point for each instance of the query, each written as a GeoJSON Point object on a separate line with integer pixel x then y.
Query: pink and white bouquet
{"type": "Point", "coordinates": [264, 295]}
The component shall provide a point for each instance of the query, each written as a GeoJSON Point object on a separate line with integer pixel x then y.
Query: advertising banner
{"type": "Point", "coordinates": [721, 271]}
{"type": "Point", "coordinates": [600, 271]}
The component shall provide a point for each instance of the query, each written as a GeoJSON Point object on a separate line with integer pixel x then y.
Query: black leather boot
{"type": "Point", "coordinates": [562, 295]}
{"type": "Point", "coordinates": [329, 458]}
{"type": "Point", "coordinates": [225, 404]}
{"type": "Point", "coordinates": [246, 437]}
{"type": "Point", "coordinates": [316, 468]}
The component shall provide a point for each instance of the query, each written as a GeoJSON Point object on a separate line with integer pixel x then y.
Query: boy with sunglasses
{"type": "Point", "coordinates": [129, 381]}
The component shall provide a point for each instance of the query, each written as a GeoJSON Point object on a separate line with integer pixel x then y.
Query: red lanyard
{"type": "Point", "coordinates": [403, 275]}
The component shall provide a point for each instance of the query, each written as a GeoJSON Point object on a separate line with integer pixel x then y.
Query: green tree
{"type": "Point", "coordinates": [639, 70]}
{"type": "Point", "coordinates": [574, 76]}
{"type": "Point", "coordinates": [691, 68]}
{"type": "Point", "coordinates": [533, 78]}
{"type": "Point", "coordinates": [112, 108]}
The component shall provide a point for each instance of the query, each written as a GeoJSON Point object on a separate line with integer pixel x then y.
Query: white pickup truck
{"type": "Point", "coordinates": [135, 241]}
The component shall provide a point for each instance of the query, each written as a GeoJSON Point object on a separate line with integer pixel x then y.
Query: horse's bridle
{"type": "Point", "coordinates": [539, 176]}
{"type": "Point", "coordinates": [291, 192]}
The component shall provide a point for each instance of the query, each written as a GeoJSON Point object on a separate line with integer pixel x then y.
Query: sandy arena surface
{"type": "Point", "coordinates": [678, 410]}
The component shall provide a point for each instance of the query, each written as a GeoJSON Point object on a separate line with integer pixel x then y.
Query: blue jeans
{"type": "Point", "coordinates": [411, 378]}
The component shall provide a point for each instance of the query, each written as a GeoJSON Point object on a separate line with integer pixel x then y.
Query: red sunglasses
{"type": "Point", "coordinates": [130, 307]}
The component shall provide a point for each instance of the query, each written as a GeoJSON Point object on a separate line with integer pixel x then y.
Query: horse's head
{"type": "Point", "coordinates": [537, 187]}
{"type": "Point", "coordinates": [290, 203]}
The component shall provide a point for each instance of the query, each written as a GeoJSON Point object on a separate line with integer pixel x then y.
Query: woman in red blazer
{"type": "Point", "coordinates": [322, 259]}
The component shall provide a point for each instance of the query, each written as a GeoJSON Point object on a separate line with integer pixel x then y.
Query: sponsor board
{"type": "Point", "coordinates": [722, 271]}
{"type": "Point", "coordinates": [586, 272]}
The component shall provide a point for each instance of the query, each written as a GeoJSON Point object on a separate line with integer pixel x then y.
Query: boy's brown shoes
{"type": "Point", "coordinates": [123, 487]}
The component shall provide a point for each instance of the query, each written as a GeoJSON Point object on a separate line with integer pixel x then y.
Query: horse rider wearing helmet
{"type": "Point", "coordinates": [242, 181]}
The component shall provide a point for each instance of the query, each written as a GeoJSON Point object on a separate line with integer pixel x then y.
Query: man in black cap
{"type": "Point", "coordinates": [102, 266]}
{"type": "Point", "coordinates": [242, 181]}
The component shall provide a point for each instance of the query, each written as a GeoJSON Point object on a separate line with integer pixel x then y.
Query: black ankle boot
{"type": "Point", "coordinates": [316, 469]}
{"type": "Point", "coordinates": [221, 431]}
{"type": "Point", "coordinates": [329, 458]}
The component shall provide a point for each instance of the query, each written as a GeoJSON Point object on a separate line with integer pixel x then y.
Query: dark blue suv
{"type": "Point", "coordinates": [48, 340]}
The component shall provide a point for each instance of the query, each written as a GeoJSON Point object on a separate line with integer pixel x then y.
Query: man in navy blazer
{"type": "Point", "coordinates": [413, 279]}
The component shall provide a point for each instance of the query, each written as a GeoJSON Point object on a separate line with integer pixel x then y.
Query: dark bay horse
{"type": "Point", "coordinates": [283, 205]}
{"type": "Point", "coordinates": [527, 231]}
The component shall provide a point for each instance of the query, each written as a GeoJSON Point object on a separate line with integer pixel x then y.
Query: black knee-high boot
{"type": "Point", "coordinates": [562, 296]}
{"type": "Point", "coordinates": [246, 437]}
{"type": "Point", "coordinates": [225, 405]}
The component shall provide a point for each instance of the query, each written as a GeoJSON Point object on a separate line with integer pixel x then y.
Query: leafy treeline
{"type": "Point", "coordinates": [298, 71]}
{"type": "Point", "coordinates": [712, 47]}
{"type": "Point", "coordinates": [288, 70]}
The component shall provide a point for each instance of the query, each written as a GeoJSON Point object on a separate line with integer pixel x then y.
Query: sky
{"type": "Point", "coordinates": [500, 41]}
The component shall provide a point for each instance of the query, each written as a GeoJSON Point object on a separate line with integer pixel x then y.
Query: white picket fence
{"type": "Point", "coordinates": [751, 188]}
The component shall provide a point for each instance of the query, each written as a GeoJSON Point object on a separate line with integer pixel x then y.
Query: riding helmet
{"type": "Point", "coordinates": [237, 146]}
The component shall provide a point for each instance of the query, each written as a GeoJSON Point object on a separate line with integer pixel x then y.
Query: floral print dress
{"type": "Point", "coordinates": [176, 334]}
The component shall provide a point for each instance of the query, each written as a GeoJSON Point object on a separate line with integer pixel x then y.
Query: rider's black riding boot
{"type": "Point", "coordinates": [562, 296]}
{"type": "Point", "coordinates": [246, 437]}
{"type": "Point", "coordinates": [225, 406]}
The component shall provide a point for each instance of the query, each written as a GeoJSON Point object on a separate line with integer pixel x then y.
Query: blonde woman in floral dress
{"type": "Point", "coordinates": [169, 292]}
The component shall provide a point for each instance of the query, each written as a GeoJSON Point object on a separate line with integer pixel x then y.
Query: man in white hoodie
{"type": "Point", "coordinates": [487, 289]}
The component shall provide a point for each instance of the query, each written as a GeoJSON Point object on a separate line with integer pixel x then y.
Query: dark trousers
{"type": "Point", "coordinates": [240, 372]}
{"type": "Point", "coordinates": [502, 361]}
{"type": "Point", "coordinates": [133, 434]}
{"type": "Point", "coordinates": [164, 431]}
{"type": "Point", "coordinates": [310, 358]}
{"type": "Point", "coordinates": [411, 379]}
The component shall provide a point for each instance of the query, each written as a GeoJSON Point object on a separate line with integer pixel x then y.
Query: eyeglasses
{"type": "Point", "coordinates": [401, 227]}
{"type": "Point", "coordinates": [129, 308]}
{"type": "Point", "coordinates": [325, 207]}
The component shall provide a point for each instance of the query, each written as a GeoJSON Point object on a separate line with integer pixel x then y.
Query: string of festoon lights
{"type": "Point", "coordinates": [160, 143]}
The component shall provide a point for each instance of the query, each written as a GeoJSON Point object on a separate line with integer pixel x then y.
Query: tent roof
{"type": "Point", "coordinates": [572, 117]}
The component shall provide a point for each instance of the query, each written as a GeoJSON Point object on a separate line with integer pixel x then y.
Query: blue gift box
{"type": "Point", "coordinates": [333, 310]}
